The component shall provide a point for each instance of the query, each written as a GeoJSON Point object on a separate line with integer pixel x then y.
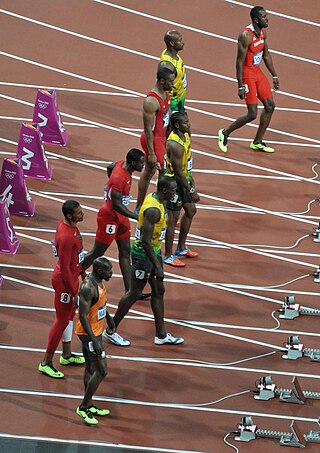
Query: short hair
{"type": "Point", "coordinates": [163, 73]}
{"type": "Point", "coordinates": [169, 35]}
{"type": "Point", "coordinates": [176, 117]}
{"type": "Point", "coordinates": [164, 182]}
{"type": "Point", "coordinates": [255, 12]}
{"type": "Point", "coordinates": [69, 207]}
{"type": "Point", "coordinates": [100, 262]}
{"type": "Point", "coordinates": [165, 64]}
{"type": "Point", "coordinates": [134, 155]}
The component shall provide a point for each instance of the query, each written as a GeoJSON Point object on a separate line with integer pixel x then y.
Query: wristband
{"type": "Point", "coordinates": [275, 77]}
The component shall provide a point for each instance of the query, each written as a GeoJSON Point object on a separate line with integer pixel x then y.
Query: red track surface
{"type": "Point", "coordinates": [92, 66]}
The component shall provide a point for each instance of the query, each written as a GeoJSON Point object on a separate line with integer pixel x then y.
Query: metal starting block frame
{"type": "Point", "coordinates": [295, 350]}
{"type": "Point", "coordinates": [290, 309]}
{"type": "Point", "coordinates": [295, 438]}
{"type": "Point", "coordinates": [268, 390]}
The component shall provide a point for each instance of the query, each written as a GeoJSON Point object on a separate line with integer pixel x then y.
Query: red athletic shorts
{"type": "Point", "coordinates": [111, 225]}
{"type": "Point", "coordinates": [159, 146]}
{"type": "Point", "coordinates": [258, 87]}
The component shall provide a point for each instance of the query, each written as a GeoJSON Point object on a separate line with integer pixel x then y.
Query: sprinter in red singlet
{"type": "Point", "coordinates": [156, 113]}
{"type": "Point", "coordinates": [252, 83]}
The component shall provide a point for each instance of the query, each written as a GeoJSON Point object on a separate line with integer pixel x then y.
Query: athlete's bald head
{"type": "Point", "coordinates": [173, 40]}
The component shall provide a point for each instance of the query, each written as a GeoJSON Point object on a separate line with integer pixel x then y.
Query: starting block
{"type": "Point", "coordinates": [14, 189]}
{"type": "Point", "coordinates": [8, 240]}
{"type": "Point", "coordinates": [46, 113]}
{"type": "Point", "coordinates": [31, 153]}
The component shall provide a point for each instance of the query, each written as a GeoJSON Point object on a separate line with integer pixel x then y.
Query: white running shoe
{"type": "Point", "coordinates": [168, 339]}
{"type": "Point", "coordinates": [116, 339]}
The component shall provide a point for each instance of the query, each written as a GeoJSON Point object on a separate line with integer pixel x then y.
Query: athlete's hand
{"type": "Point", "coordinates": [159, 273]}
{"type": "Point", "coordinates": [276, 83]}
{"type": "Point", "coordinates": [76, 301]}
{"type": "Point", "coordinates": [195, 197]}
{"type": "Point", "coordinates": [242, 92]}
{"type": "Point", "coordinates": [96, 347]}
{"type": "Point", "coordinates": [152, 159]}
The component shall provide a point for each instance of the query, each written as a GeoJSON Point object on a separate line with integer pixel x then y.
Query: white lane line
{"type": "Point", "coordinates": [10, 98]}
{"type": "Point", "coordinates": [95, 443]}
{"type": "Point", "coordinates": [285, 16]}
{"type": "Point", "coordinates": [142, 54]}
{"type": "Point", "coordinates": [188, 101]}
{"type": "Point", "coordinates": [76, 90]}
{"type": "Point", "coordinates": [172, 321]}
{"type": "Point", "coordinates": [185, 406]}
{"type": "Point", "coordinates": [180, 362]}
{"type": "Point", "coordinates": [197, 30]}
{"type": "Point", "coordinates": [196, 323]}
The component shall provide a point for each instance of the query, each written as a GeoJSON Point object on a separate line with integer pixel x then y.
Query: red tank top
{"type": "Point", "coordinates": [254, 52]}
{"type": "Point", "coordinates": [162, 116]}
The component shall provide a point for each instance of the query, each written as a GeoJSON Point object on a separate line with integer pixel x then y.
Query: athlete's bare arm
{"type": "Point", "coordinates": [175, 152]}
{"type": "Point", "coordinates": [244, 42]}
{"type": "Point", "coordinates": [269, 63]}
{"type": "Point", "coordinates": [116, 198]}
{"type": "Point", "coordinates": [151, 217]}
{"type": "Point", "coordinates": [150, 108]}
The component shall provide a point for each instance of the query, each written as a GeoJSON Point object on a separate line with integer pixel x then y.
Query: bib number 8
{"type": "Point", "coordinates": [65, 298]}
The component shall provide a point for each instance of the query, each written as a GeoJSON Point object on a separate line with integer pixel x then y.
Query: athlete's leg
{"type": "Point", "coordinates": [243, 119]}
{"type": "Point", "coordinates": [124, 261]}
{"type": "Point", "coordinates": [126, 301]}
{"type": "Point", "coordinates": [98, 250]}
{"type": "Point", "coordinates": [186, 220]}
{"type": "Point", "coordinates": [171, 224]}
{"type": "Point", "coordinates": [265, 118]}
{"type": "Point", "coordinates": [157, 305]}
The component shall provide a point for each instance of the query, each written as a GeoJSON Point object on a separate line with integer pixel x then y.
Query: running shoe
{"type": "Point", "coordinates": [186, 252]}
{"type": "Point", "coordinates": [261, 147]}
{"type": "Point", "coordinates": [173, 261]}
{"type": "Point", "coordinates": [73, 360]}
{"type": "Point", "coordinates": [168, 339]}
{"type": "Point", "coordinates": [50, 371]}
{"type": "Point", "coordinates": [87, 416]}
{"type": "Point", "coordinates": [96, 411]}
{"type": "Point", "coordinates": [222, 141]}
{"type": "Point", "coordinates": [116, 339]}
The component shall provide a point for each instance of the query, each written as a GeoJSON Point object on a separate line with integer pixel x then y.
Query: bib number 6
{"type": "Point", "coordinates": [110, 229]}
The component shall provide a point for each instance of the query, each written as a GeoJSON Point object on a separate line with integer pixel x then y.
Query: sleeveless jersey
{"type": "Point", "coordinates": [186, 158]}
{"type": "Point", "coordinates": [180, 82]}
{"type": "Point", "coordinates": [96, 315]}
{"type": "Point", "coordinates": [160, 227]}
{"type": "Point", "coordinates": [254, 52]}
{"type": "Point", "coordinates": [120, 181]}
{"type": "Point", "coordinates": [162, 115]}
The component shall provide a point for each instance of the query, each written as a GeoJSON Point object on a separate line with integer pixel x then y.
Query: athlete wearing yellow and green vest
{"type": "Point", "coordinates": [179, 166]}
{"type": "Point", "coordinates": [146, 258]}
{"type": "Point", "coordinates": [174, 43]}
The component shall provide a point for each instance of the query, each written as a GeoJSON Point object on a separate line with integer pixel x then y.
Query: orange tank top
{"type": "Point", "coordinates": [96, 315]}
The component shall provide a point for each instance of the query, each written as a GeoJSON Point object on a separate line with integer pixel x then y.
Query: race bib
{"type": "Point", "coordinates": [166, 117]}
{"type": "Point", "coordinates": [257, 58]}
{"type": "Point", "coordinates": [54, 248]}
{"type": "Point", "coordinates": [110, 229]}
{"type": "Point", "coordinates": [65, 298]}
{"type": "Point", "coordinates": [126, 200]}
{"type": "Point", "coordinates": [102, 311]}
{"type": "Point", "coordinates": [80, 256]}
{"type": "Point", "coordinates": [137, 234]}
{"type": "Point", "coordinates": [139, 274]}
{"type": "Point", "coordinates": [184, 81]}
{"type": "Point", "coordinates": [162, 234]}
{"type": "Point", "coordinates": [189, 164]}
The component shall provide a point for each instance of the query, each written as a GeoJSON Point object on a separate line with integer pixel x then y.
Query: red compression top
{"type": "Point", "coordinates": [162, 116]}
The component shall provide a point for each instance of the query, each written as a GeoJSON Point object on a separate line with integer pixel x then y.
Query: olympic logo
{"type": "Point", "coordinates": [28, 139]}
{"type": "Point", "coordinates": [42, 105]}
{"type": "Point", "coordinates": [9, 175]}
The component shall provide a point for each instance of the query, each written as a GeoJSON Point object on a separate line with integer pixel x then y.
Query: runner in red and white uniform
{"type": "Point", "coordinates": [156, 113]}
{"type": "Point", "coordinates": [113, 217]}
{"type": "Point", "coordinates": [65, 281]}
{"type": "Point", "coordinates": [252, 83]}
